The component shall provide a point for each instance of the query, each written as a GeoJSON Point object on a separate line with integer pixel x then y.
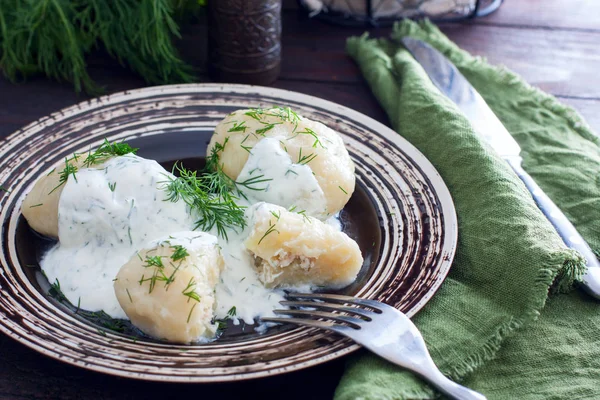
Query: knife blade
{"type": "Point", "coordinates": [448, 79]}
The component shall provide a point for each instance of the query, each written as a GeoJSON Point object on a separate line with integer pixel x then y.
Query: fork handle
{"type": "Point", "coordinates": [451, 388]}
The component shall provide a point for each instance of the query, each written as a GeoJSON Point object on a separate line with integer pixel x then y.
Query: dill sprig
{"type": "Point", "coordinates": [53, 37]}
{"type": "Point", "coordinates": [210, 196]}
{"type": "Point", "coordinates": [56, 292]}
{"type": "Point", "coordinates": [222, 323]}
{"type": "Point", "coordinates": [285, 114]}
{"type": "Point", "coordinates": [272, 228]}
{"type": "Point", "coordinates": [191, 311]}
{"type": "Point", "coordinates": [70, 169]}
{"type": "Point", "coordinates": [179, 252]}
{"type": "Point", "coordinates": [158, 274]}
{"type": "Point", "coordinates": [255, 180]}
{"type": "Point", "coordinates": [267, 128]}
{"type": "Point", "coordinates": [306, 158]}
{"type": "Point", "coordinates": [247, 148]}
{"type": "Point", "coordinates": [190, 291]}
{"type": "Point", "coordinates": [108, 150]}
{"type": "Point", "coordinates": [238, 127]}
{"type": "Point", "coordinates": [308, 131]}
{"type": "Point", "coordinates": [154, 261]}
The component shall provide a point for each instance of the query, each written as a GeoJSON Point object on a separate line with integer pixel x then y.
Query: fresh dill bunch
{"type": "Point", "coordinates": [53, 37]}
{"type": "Point", "coordinates": [41, 36]}
{"type": "Point", "coordinates": [139, 34]}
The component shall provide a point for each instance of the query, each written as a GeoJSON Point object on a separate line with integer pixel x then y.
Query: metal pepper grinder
{"type": "Point", "coordinates": [244, 40]}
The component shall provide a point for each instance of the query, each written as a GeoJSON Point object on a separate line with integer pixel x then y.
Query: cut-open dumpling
{"type": "Point", "coordinates": [308, 143]}
{"type": "Point", "coordinates": [292, 249]}
{"type": "Point", "coordinates": [167, 289]}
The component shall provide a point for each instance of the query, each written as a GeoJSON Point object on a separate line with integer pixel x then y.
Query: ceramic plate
{"type": "Point", "coordinates": [401, 215]}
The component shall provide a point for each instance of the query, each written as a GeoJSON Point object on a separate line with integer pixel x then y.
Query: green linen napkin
{"type": "Point", "coordinates": [491, 324]}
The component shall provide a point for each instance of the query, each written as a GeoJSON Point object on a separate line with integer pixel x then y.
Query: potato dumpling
{"type": "Point", "coordinates": [307, 142]}
{"type": "Point", "coordinates": [40, 207]}
{"type": "Point", "coordinates": [292, 249]}
{"type": "Point", "coordinates": [167, 289]}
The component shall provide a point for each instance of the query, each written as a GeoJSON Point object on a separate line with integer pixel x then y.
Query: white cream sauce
{"type": "Point", "coordinates": [107, 214]}
{"type": "Point", "coordinates": [289, 184]}
{"type": "Point", "coordinates": [239, 285]}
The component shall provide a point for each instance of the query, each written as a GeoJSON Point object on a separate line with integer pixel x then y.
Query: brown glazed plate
{"type": "Point", "coordinates": [401, 215]}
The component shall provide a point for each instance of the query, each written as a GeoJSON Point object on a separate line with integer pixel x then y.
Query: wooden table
{"type": "Point", "coordinates": [554, 44]}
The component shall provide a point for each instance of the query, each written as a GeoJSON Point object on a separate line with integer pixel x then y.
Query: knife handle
{"type": "Point", "coordinates": [566, 230]}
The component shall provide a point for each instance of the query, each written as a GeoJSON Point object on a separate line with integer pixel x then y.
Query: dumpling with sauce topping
{"type": "Point", "coordinates": [292, 249]}
{"type": "Point", "coordinates": [40, 207]}
{"type": "Point", "coordinates": [167, 289]}
{"type": "Point", "coordinates": [308, 143]}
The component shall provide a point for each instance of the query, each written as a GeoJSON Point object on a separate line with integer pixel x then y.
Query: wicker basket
{"type": "Point", "coordinates": [385, 12]}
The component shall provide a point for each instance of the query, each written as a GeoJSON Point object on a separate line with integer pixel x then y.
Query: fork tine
{"type": "Point", "coordinates": [305, 322]}
{"type": "Point", "coordinates": [353, 322]}
{"type": "Point", "coordinates": [336, 298]}
{"type": "Point", "coordinates": [330, 307]}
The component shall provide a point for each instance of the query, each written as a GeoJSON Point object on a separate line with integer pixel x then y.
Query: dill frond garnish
{"type": "Point", "coordinates": [255, 180]}
{"type": "Point", "coordinates": [210, 196]}
{"type": "Point", "coordinates": [247, 148]}
{"type": "Point", "coordinates": [69, 169]}
{"type": "Point", "coordinates": [304, 216]}
{"type": "Point", "coordinates": [267, 128]}
{"type": "Point", "coordinates": [222, 323]}
{"type": "Point", "coordinates": [112, 186]}
{"type": "Point", "coordinates": [301, 212]}
{"type": "Point", "coordinates": [154, 261]}
{"type": "Point", "coordinates": [56, 292]}
{"type": "Point", "coordinates": [271, 228]}
{"type": "Point", "coordinates": [308, 131]}
{"type": "Point", "coordinates": [238, 127]}
{"type": "Point", "coordinates": [179, 252]}
{"type": "Point", "coordinates": [232, 312]}
{"type": "Point", "coordinates": [190, 291]}
{"type": "Point", "coordinates": [285, 114]}
{"type": "Point", "coordinates": [343, 190]}
{"type": "Point", "coordinates": [191, 311]}
{"type": "Point", "coordinates": [305, 159]}
{"type": "Point", "coordinates": [108, 150]}
{"type": "Point", "coordinates": [158, 274]}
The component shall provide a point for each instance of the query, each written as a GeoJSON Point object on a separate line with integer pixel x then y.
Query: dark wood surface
{"type": "Point", "coordinates": [554, 44]}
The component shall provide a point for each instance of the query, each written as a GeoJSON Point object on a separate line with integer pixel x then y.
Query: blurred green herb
{"type": "Point", "coordinates": [53, 37]}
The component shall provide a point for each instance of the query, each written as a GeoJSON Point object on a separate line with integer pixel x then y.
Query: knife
{"type": "Point", "coordinates": [446, 77]}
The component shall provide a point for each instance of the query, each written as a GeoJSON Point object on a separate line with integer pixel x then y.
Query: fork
{"type": "Point", "coordinates": [379, 327]}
